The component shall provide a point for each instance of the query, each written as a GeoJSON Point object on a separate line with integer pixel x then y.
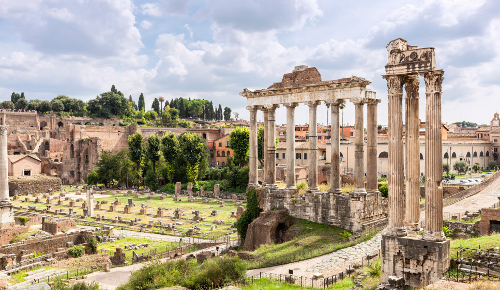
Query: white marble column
{"type": "Point", "coordinates": [359, 154]}
{"type": "Point", "coordinates": [335, 181]}
{"type": "Point", "coordinates": [433, 162]}
{"type": "Point", "coordinates": [4, 165]}
{"type": "Point", "coordinates": [396, 225]}
{"type": "Point", "coordinates": [264, 149]}
{"type": "Point", "coordinates": [290, 145]}
{"type": "Point", "coordinates": [371, 146]}
{"type": "Point", "coordinates": [253, 153]}
{"type": "Point", "coordinates": [313, 147]}
{"type": "Point", "coordinates": [271, 146]}
{"type": "Point", "coordinates": [412, 154]}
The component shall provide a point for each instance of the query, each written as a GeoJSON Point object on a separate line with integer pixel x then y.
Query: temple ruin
{"type": "Point", "coordinates": [356, 210]}
{"type": "Point", "coordinates": [419, 259]}
{"type": "Point", "coordinates": [6, 208]}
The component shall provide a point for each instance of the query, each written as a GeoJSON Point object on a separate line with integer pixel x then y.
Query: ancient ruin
{"type": "Point", "coordinates": [6, 208]}
{"type": "Point", "coordinates": [354, 211]}
{"type": "Point", "coordinates": [405, 253]}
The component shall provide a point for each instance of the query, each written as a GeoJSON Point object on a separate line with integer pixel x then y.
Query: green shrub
{"type": "Point", "coordinates": [302, 185]}
{"type": "Point", "coordinates": [92, 244]}
{"type": "Point", "coordinates": [35, 254]}
{"type": "Point", "coordinates": [447, 232]}
{"type": "Point", "coordinates": [374, 269]}
{"type": "Point", "coordinates": [345, 234]}
{"type": "Point", "coordinates": [215, 273]}
{"type": "Point", "coordinates": [76, 251]}
{"type": "Point", "coordinates": [169, 188]}
{"type": "Point", "coordinates": [23, 220]}
{"type": "Point", "coordinates": [59, 285]}
{"type": "Point", "coordinates": [252, 212]}
{"type": "Point", "coordinates": [384, 189]}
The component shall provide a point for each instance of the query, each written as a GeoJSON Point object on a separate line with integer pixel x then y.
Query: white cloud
{"type": "Point", "coordinates": [60, 14]}
{"type": "Point", "coordinates": [146, 24]}
{"type": "Point", "coordinates": [189, 30]}
{"type": "Point", "coordinates": [152, 9]}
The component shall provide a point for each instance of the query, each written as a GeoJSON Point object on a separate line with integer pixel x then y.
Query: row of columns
{"type": "Point", "coordinates": [404, 211]}
{"type": "Point", "coordinates": [269, 149]}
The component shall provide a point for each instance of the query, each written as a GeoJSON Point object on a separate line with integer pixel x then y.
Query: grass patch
{"type": "Point", "coordinates": [19, 277]}
{"type": "Point", "coordinates": [268, 283]}
{"type": "Point", "coordinates": [485, 242]}
{"type": "Point", "coordinates": [21, 237]}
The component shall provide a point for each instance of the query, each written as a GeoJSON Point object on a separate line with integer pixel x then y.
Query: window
{"type": "Point", "coordinates": [481, 154]}
{"type": "Point", "coordinates": [277, 156]}
{"type": "Point", "coordinates": [383, 154]}
{"type": "Point", "coordinates": [319, 137]}
{"type": "Point", "coordinates": [27, 172]}
{"type": "Point", "coordinates": [475, 154]}
{"type": "Point", "coordinates": [421, 156]}
{"type": "Point", "coordinates": [228, 153]}
{"type": "Point", "coordinates": [227, 143]}
{"type": "Point", "coordinates": [223, 153]}
{"type": "Point", "coordinates": [352, 134]}
{"type": "Point", "coordinates": [220, 144]}
{"type": "Point", "coordinates": [453, 155]}
{"type": "Point", "coordinates": [487, 153]}
{"type": "Point", "coordinates": [495, 149]}
{"type": "Point", "coordinates": [495, 140]}
{"type": "Point", "coordinates": [305, 156]}
{"type": "Point", "coordinates": [283, 155]}
{"type": "Point", "coordinates": [341, 155]}
{"type": "Point", "coordinates": [218, 153]}
{"type": "Point", "coordinates": [468, 154]}
{"type": "Point", "coordinates": [446, 155]}
{"type": "Point", "coordinates": [298, 156]}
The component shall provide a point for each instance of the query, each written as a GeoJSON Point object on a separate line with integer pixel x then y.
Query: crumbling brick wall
{"type": "Point", "coordinates": [56, 225]}
{"type": "Point", "coordinates": [34, 184]}
{"type": "Point", "coordinates": [488, 215]}
{"type": "Point", "coordinates": [7, 234]}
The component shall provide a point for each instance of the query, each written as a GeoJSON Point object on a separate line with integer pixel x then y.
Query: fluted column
{"type": "Point", "coordinates": [371, 145]}
{"type": "Point", "coordinates": [335, 180]}
{"type": "Point", "coordinates": [313, 147]}
{"type": "Point", "coordinates": [359, 157]}
{"type": "Point", "coordinates": [266, 156]}
{"type": "Point", "coordinates": [290, 145]}
{"type": "Point", "coordinates": [271, 145]}
{"type": "Point", "coordinates": [4, 168]}
{"type": "Point", "coordinates": [253, 153]}
{"type": "Point", "coordinates": [412, 154]}
{"type": "Point", "coordinates": [396, 162]}
{"type": "Point", "coordinates": [433, 162]}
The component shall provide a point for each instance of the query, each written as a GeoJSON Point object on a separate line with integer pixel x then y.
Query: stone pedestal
{"type": "Point", "coordinates": [6, 214]}
{"type": "Point", "coordinates": [417, 261]}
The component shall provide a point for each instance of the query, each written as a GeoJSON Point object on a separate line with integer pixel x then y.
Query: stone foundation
{"type": "Point", "coordinates": [354, 212]}
{"type": "Point", "coordinates": [418, 261]}
{"type": "Point", "coordinates": [487, 216]}
{"type": "Point", "coordinates": [6, 214]}
{"type": "Point", "coordinates": [56, 225]}
{"type": "Point", "coordinates": [34, 184]}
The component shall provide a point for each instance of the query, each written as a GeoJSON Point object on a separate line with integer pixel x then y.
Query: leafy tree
{"type": "Point", "coordinates": [460, 167]}
{"type": "Point", "coordinates": [21, 104]}
{"type": "Point", "coordinates": [239, 139]}
{"type": "Point", "coordinates": [156, 106]}
{"type": "Point", "coordinates": [219, 113]}
{"type": "Point", "coordinates": [191, 145]}
{"type": "Point", "coordinates": [44, 107]}
{"type": "Point", "coordinates": [93, 176]}
{"type": "Point", "coordinates": [153, 150]}
{"type": "Point", "coordinates": [151, 179]}
{"type": "Point", "coordinates": [109, 104]}
{"type": "Point", "coordinates": [132, 103]}
{"type": "Point", "coordinates": [7, 105]}
{"type": "Point", "coordinates": [384, 189]}
{"type": "Point", "coordinates": [174, 114]}
{"type": "Point", "coordinates": [136, 148]}
{"type": "Point", "coordinates": [227, 114]}
{"type": "Point", "coordinates": [196, 108]}
{"type": "Point", "coordinates": [446, 168]}
{"type": "Point", "coordinates": [14, 97]}
{"type": "Point", "coordinates": [492, 165]}
{"type": "Point", "coordinates": [260, 144]}
{"type": "Point", "coordinates": [476, 167]}
{"type": "Point", "coordinates": [33, 105]}
{"type": "Point", "coordinates": [141, 104]}
{"type": "Point", "coordinates": [250, 214]}
{"type": "Point", "coordinates": [57, 106]}
{"type": "Point", "coordinates": [151, 115]}
{"type": "Point", "coordinates": [170, 148]}
{"type": "Point", "coordinates": [112, 169]}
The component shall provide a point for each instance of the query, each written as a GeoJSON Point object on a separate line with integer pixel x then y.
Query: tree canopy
{"type": "Point", "coordinates": [239, 139]}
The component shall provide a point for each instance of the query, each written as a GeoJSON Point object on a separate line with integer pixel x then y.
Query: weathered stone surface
{"type": "Point", "coordinates": [203, 256]}
{"type": "Point", "coordinates": [35, 184]}
{"type": "Point", "coordinates": [269, 228]}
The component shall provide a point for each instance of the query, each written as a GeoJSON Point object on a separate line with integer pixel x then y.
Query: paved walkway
{"type": "Point", "coordinates": [325, 263]}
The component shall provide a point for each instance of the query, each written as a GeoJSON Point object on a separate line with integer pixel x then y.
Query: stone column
{"type": "Point", "coordinates": [433, 162]}
{"type": "Point", "coordinates": [4, 165]}
{"type": "Point", "coordinates": [266, 160]}
{"type": "Point", "coordinates": [371, 146]}
{"type": "Point", "coordinates": [313, 147]}
{"type": "Point", "coordinates": [412, 154]}
{"type": "Point", "coordinates": [335, 180]}
{"type": "Point", "coordinates": [253, 153]}
{"type": "Point", "coordinates": [271, 146]}
{"type": "Point", "coordinates": [359, 152]}
{"type": "Point", "coordinates": [396, 161]}
{"type": "Point", "coordinates": [290, 145]}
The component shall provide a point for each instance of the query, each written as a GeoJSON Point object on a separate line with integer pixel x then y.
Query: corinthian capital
{"type": "Point", "coordinates": [411, 86]}
{"type": "Point", "coordinates": [3, 129]}
{"type": "Point", "coordinates": [394, 85]}
{"type": "Point", "coordinates": [433, 81]}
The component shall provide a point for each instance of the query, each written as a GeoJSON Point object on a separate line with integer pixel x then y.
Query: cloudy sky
{"type": "Point", "coordinates": [213, 49]}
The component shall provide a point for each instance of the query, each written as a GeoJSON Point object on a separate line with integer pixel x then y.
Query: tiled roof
{"type": "Point", "coordinates": [15, 158]}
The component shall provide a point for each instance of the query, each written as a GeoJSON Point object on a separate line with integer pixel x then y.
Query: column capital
{"type": "Point", "coordinates": [433, 81]}
{"type": "Point", "coordinates": [411, 86]}
{"type": "Point", "coordinates": [290, 105]}
{"type": "Point", "coordinates": [359, 101]}
{"type": "Point", "coordinates": [271, 107]}
{"type": "Point", "coordinates": [394, 84]}
{"type": "Point", "coordinates": [312, 103]}
{"type": "Point", "coordinates": [372, 101]}
{"type": "Point", "coordinates": [335, 102]}
{"type": "Point", "coordinates": [253, 108]}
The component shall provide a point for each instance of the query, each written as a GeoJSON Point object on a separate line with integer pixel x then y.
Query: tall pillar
{"type": "Point", "coordinates": [6, 209]}
{"type": "Point", "coordinates": [396, 225]}
{"type": "Point", "coordinates": [313, 147]}
{"type": "Point", "coordinates": [412, 154]}
{"type": "Point", "coordinates": [335, 180]}
{"type": "Point", "coordinates": [359, 158]}
{"type": "Point", "coordinates": [264, 150]}
{"type": "Point", "coordinates": [271, 146]}
{"type": "Point", "coordinates": [433, 162]}
{"type": "Point", "coordinates": [290, 145]}
{"type": "Point", "coordinates": [371, 146]}
{"type": "Point", "coordinates": [253, 154]}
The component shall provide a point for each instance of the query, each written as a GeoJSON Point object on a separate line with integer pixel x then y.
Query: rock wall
{"type": "Point", "coordinates": [268, 228]}
{"type": "Point", "coordinates": [7, 234]}
{"type": "Point", "coordinates": [488, 215]}
{"type": "Point", "coordinates": [348, 211]}
{"type": "Point", "coordinates": [57, 225]}
{"type": "Point", "coordinates": [463, 227]}
{"type": "Point", "coordinates": [34, 184]}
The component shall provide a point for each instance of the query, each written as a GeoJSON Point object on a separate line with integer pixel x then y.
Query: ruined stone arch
{"type": "Point", "coordinates": [60, 124]}
{"type": "Point", "coordinates": [43, 124]}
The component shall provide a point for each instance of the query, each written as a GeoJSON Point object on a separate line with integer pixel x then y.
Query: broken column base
{"type": "Point", "coordinates": [419, 262]}
{"type": "Point", "coordinates": [6, 214]}
{"type": "Point", "coordinates": [395, 283]}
